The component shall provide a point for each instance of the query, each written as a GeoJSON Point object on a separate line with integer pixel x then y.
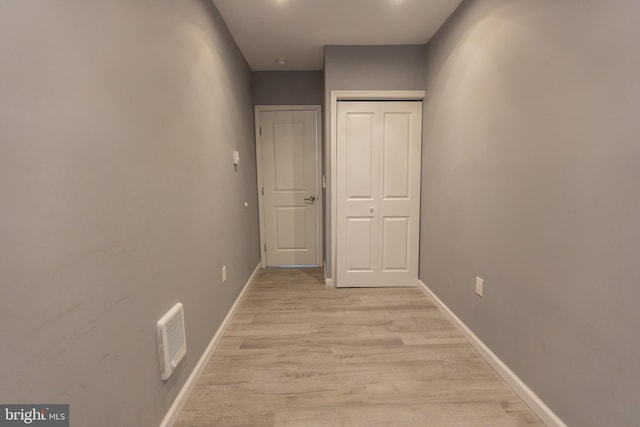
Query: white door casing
{"type": "Point", "coordinates": [288, 152]}
{"type": "Point", "coordinates": [378, 193]}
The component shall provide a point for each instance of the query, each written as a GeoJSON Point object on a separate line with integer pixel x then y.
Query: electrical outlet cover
{"type": "Point", "coordinates": [479, 286]}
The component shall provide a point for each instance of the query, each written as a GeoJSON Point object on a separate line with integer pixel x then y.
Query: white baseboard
{"type": "Point", "coordinates": [547, 416]}
{"type": "Point", "coordinates": [172, 415]}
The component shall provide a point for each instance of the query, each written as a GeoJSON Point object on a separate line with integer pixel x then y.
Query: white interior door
{"type": "Point", "coordinates": [378, 193]}
{"type": "Point", "coordinates": [290, 147]}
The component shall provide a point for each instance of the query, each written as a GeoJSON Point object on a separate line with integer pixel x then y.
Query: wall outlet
{"type": "Point", "coordinates": [224, 274]}
{"type": "Point", "coordinates": [479, 286]}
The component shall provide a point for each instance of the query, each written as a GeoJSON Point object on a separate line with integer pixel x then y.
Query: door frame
{"type": "Point", "coordinates": [353, 95]}
{"type": "Point", "coordinates": [258, 109]}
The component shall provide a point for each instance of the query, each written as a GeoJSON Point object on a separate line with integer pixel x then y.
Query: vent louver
{"type": "Point", "coordinates": [172, 343]}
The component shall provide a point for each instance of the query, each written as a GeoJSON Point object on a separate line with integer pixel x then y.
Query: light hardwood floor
{"type": "Point", "coordinates": [298, 353]}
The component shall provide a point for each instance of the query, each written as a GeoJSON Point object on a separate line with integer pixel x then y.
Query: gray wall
{"type": "Point", "coordinates": [287, 87]}
{"type": "Point", "coordinates": [119, 198]}
{"type": "Point", "coordinates": [530, 180]}
{"type": "Point", "coordinates": [365, 68]}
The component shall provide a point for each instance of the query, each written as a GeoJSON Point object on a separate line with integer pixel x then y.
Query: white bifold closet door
{"type": "Point", "coordinates": [378, 193]}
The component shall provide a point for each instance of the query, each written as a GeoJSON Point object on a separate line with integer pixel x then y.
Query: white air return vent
{"type": "Point", "coordinates": [172, 343]}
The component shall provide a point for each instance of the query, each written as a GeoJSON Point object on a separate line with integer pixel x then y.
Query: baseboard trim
{"type": "Point", "coordinates": [172, 415]}
{"type": "Point", "coordinates": [329, 282]}
{"type": "Point", "coordinates": [526, 394]}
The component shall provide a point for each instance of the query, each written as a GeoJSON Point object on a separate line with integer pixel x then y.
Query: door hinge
{"type": "Point", "coordinates": [265, 247]}
{"type": "Point", "coordinates": [260, 130]}
{"type": "Point", "coordinates": [263, 191]}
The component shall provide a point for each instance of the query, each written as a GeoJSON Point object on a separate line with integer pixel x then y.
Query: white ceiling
{"type": "Point", "coordinates": [298, 30]}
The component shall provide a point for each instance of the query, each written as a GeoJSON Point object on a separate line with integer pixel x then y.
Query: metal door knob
{"type": "Point", "coordinates": [310, 199]}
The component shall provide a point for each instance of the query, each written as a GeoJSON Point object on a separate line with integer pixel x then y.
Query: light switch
{"type": "Point", "coordinates": [236, 157]}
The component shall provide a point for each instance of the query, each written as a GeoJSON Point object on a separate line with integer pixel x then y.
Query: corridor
{"type": "Point", "coordinates": [298, 353]}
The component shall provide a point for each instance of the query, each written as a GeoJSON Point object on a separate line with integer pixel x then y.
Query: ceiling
{"type": "Point", "coordinates": [298, 30]}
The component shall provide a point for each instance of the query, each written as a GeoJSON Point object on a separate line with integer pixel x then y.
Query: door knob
{"type": "Point", "coordinates": [310, 199]}
{"type": "Point", "coordinates": [370, 208]}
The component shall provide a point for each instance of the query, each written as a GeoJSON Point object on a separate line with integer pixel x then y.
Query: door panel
{"type": "Point", "coordinates": [289, 155]}
{"type": "Point", "coordinates": [378, 184]}
{"type": "Point", "coordinates": [360, 160]}
{"type": "Point", "coordinates": [288, 221]}
{"type": "Point", "coordinates": [360, 238]}
{"type": "Point", "coordinates": [395, 244]}
{"type": "Point", "coordinates": [290, 178]}
{"type": "Point", "coordinates": [396, 169]}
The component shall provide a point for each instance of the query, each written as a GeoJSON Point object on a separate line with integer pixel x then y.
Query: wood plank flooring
{"type": "Point", "coordinates": [298, 353]}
